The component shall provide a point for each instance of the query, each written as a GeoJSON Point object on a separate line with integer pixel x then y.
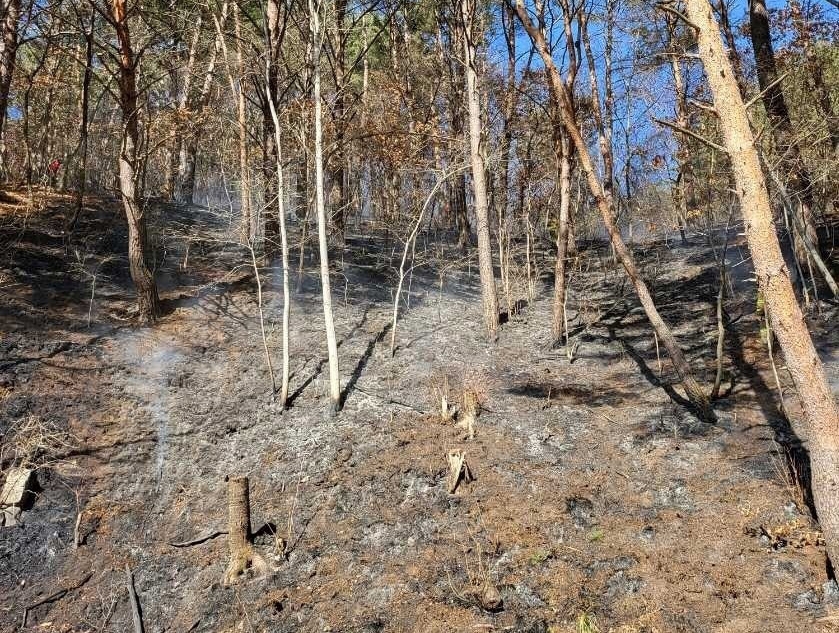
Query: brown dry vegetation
{"type": "Point", "coordinates": [599, 500]}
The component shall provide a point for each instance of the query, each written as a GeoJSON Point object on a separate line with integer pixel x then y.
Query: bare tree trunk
{"type": "Point", "coordinates": [817, 402]}
{"type": "Point", "coordinates": [9, 14]}
{"type": "Point", "coordinates": [339, 113]}
{"type": "Point", "coordinates": [772, 94]}
{"type": "Point", "coordinates": [271, 225]}
{"type": "Point", "coordinates": [456, 190]}
{"type": "Point", "coordinates": [563, 151]}
{"type": "Point", "coordinates": [488, 296]}
{"type": "Point", "coordinates": [239, 537]}
{"type": "Point", "coordinates": [684, 192]}
{"type": "Point", "coordinates": [80, 155]}
{"type": "Point", "coordinates": [601, 192]}
{"type": "Point", "coordinates": [189, 146]}
{"type": "Point", "coordinates": [182, 107]}
{"type": "Point", "coordinates": [509, 109]}
{"type": "Point", "coordinates": [242, 121]}
{"type": "Point", "coordinates": [320, 208]}
{"type": "Point", "coordinates": [283, 245]}
{"type": "Point", "coordinates": [147, 299]}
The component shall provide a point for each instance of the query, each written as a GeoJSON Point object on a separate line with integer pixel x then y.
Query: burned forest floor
{"type": "Point", "coordinates": [599, 501]}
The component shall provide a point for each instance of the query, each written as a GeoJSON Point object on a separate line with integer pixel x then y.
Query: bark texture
{"type": "Point", "coordinates": [821, 416]}
{"type": "Point", "coordinates": [238, 529]}
{"type": "Point", "coordinates": [147, 298]}
{"type": "Point", "coordinates": [320, 209]}
{"type": "Point", "coordinates": [488, 296]}
{"type": "Point", "coordinates": [9, 14]}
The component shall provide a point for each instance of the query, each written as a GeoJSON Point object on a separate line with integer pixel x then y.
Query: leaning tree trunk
{"type": "Point", "coordinates": [817, 402]}
{"type": "Point", "coordinates": [488, 296]}
{"type": "Point", "coordinates": [147, 299]}
{"type": "Point", "coordinates": [791, 161]}
{"type": "Point", "coordinates": [605, 203]}
{"type": "Point", "coordinates": [331, 343]}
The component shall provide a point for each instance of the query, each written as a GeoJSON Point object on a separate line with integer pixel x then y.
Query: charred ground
{"type": "Point", "coordinates": [598, 495]}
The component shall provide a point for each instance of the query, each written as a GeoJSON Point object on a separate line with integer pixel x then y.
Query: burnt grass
{"type": "Point", "coordinates": [597, 492]}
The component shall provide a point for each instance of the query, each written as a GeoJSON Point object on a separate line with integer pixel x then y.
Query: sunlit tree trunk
{"type": "Point", "coordinates": [283, 245]}
{"type": "Point", "coordinates": [339, 117]}
{"type": "Point", "coordinates": [320, 209]}
{"type": "Point", "coordinates": [563, 154]}
{"type": "Point", "coordinates": [147, 299]}
{"type": "Point", "coordinates": [488, 296]}
{"type": "Point", "coordinates": [817, 402]}
{"type": "Point", "coordinates": [271, 224]}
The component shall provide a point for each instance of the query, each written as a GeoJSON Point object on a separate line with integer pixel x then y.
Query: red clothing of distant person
{"type": "Point", "coordinates": [54, 166]}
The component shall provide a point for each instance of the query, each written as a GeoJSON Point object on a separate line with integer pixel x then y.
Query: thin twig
{"type": "Point", "coordinates": [199, 540]}
{"type": "Point", "coordinates": [58, 595]}
{"type": "Point", "coordinates": [691, 133]}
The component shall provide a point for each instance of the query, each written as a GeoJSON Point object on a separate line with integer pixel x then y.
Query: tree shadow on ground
{"type": "Point", "coordinates": [796, 456]}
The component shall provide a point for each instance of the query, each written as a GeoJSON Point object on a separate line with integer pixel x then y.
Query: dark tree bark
{"type": "Point", "coordinates": [9, 14]}
{"type": "Point", "coordinates": [147, 298]}
{"type": "Point", "coordinates": [80, 155]}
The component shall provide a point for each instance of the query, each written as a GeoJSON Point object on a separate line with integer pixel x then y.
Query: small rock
{"type": "Point", "coordinates": [19, 489]}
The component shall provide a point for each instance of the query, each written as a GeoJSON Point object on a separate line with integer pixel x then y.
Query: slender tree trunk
{"type": "Point", "coordinates": [271, 224]}
{"type": "Point", "coordinates": [456, 190]}
{"type": "Point", "coordinates": [147, 299]}
{"type": "Point", "coordinates": [817, 402]}
{"type": "Point", "coordinates": [181, 113]}
{"type": "Point", "coordinates": [84, 115]}
{"type": "Point", "coordinates": [684, 192]}
{"type": "Point", "coordinates": [563, 151]}
{"type": "Point", "coordinates": [9, 14]}
{"type": "Point", "coordinates": [772, 94]}
{"type": "Point", "coordinates": [189, 146]}
{"type": "Point", "coordinates": [242, 121]}
{"type": "Point", "coordinates": [339, 115]}
{"type": "Point", "coordinates": [283, 245]}
{"type": "Point", "coordinates": [320, 208]}
{"type": "Point", "coordinates": [601, 192]}
{"type": "Point", "coordinates": [509, 109]}
{"type": "Point", "coordinates": [488, 296]}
